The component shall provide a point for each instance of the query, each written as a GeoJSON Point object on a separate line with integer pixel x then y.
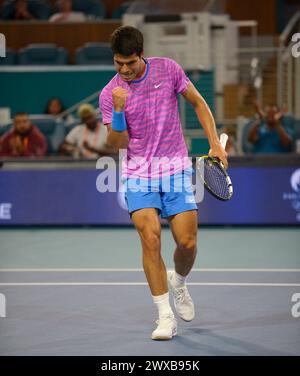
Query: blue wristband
{"type": "Point", "coordinates": [118, 121]}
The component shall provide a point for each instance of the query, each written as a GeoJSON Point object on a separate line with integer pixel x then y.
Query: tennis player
{"type": "Point", "coordinates": [139, 106]}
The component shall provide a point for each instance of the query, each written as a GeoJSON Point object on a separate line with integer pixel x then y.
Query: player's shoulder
{"type": "Point", "coordinates": [165, 62]}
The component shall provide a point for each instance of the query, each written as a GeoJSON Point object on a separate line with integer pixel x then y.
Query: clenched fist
{"type": "Point", "coordinates": [119, 96]}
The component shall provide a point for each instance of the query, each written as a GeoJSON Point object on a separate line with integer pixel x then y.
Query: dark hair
{"type": "Point", "coordinates": [126, 41]}
{"type": "Point", "coordinates": [51, 100]}
{"type": "Point", "coordinates": [21, 113]}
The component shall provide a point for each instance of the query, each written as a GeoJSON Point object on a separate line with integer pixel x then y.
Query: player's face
{"type": "Point", "coordinates": [129, 67]}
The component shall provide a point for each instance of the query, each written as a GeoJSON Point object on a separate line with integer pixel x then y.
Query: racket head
{"type": "Point", "coordinates": [214, 177]}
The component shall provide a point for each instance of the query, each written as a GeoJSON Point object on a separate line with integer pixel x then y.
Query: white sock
{"type": "Point", "coordinates": [179, 280]}
{"type": "Point", "coordinates": [163, 305]}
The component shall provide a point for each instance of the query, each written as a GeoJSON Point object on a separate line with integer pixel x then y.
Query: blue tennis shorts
{"type": "Point", "coordinates": [170, 195]}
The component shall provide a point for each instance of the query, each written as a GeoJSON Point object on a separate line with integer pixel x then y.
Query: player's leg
{"type": "Point", "coordinates": [184, 229]}
{"type": "Point", "coordinates": [147, 223]}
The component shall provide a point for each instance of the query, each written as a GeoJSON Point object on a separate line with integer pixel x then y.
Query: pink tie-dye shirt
{"type": "Point", "coordinates": [156, 143]}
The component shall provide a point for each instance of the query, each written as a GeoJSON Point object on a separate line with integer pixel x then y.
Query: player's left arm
{"type": "Point", "coordinates": [205, 117]}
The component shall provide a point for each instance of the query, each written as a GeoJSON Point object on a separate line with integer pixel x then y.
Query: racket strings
{"type": "Point", "coordinates": [215, 179]}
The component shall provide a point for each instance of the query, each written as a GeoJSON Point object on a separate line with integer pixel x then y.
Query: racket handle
{"type": "Point", "coordinates": [223, 140]}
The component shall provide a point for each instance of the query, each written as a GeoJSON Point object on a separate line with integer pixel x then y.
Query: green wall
{"type": "Point", "coordinates": [29, 90]}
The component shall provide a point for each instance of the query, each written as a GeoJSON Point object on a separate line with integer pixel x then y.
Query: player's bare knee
{"type": "Point", "coordinates": [188, 245]}
{"type": "Point", "coordinates": [151, 243]}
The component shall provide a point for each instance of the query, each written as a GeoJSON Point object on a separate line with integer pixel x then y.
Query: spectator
{"type": "Point", "coordinates": [18, 10]}
{"type": "Point", "coordinates": [55, 107]}
{"type": "Point", "coordinates": [86, 140]}
{"type": "Point", "coordinates": [24, 140]}
{"type": "Point", "coordinates": [230, 145]}
{"type": "Point", "coordinates": [268, 134]}
{"type": "Point", "coordinates": [67, 14]}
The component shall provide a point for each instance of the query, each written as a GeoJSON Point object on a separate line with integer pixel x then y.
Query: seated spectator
{"type": "Point", "coordinates": [19, 11]}
{"type": "Point", "coordinates": [86, 140]}
{"type": "Point", "coordinates": [23, 140]}
{"type": "Point", "coordinates": [268, 134]}
{"type": "Point", "coordinates": [55, 107]}
{"type": "Point", "coordinates": [67, 14]}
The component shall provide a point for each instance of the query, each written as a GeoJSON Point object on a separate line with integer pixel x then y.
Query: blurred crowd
{"type": "Point", "coordinates": [85, 139]}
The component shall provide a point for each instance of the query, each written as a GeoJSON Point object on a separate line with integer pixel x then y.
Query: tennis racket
{"type": "Point", "coordinates": [214, 175]}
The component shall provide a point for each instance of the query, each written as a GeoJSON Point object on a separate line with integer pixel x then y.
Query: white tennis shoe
{"type": "Point", "coordinates": [166, 329]}
{"type": "Point", "coordinates": [182, 299]}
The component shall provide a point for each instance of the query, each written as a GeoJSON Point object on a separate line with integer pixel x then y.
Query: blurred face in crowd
{"type": "Point", "coordinates": [22, 124]}
{"type": "Point", "coordinates": [129, 67]}
{"type": "Point", "coordinates": [66, 5]}
{"type": "Point", "coordinates": [270, 113]}
{"type": "Point", "coordinates": [21, 4]}
{"type": "Point", "coordinates": [90, 121]}
{"type": "Point", "coordinates": [54, 107]}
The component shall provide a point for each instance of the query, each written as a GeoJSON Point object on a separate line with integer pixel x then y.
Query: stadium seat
{"type": "Point", "coordinates": [43, 54]}
{"type": "Point", "coordinates": [51, 128]}
{"type": "Point", "coordinates": [4, 129]}
{"type": "Point", "coordinates": [94, 54]}
{"type": "Point", "coordinates": [39, 9]}
{"type": "Point", "coordinates": [68, 128]}
{"type": "Point", "coordinates": [118, 12]}
{"type": "Point", "coordinates": [92, 8]}
{"type": "Point", "coordinates": [297, 128]}
{"type": "Point", "coordinates": [247, 147]}
{"type": "Point", "coordinates": [10, 59]}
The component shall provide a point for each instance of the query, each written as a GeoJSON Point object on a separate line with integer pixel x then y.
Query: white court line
{"type": "Point", "coordinates": [42, 270]}
{"type": "Point", "coordinates": [146, 284]}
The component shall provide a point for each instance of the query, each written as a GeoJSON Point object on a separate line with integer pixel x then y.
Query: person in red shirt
{"type": "Point", "coordinates": [23, 140]}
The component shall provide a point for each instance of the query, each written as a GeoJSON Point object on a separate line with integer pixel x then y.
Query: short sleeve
{"type": "Point", "coordinates": [106, 106]}
{"type": "Point", "coordinates": [73, 137]}
{"type": "Point", "coordinates": [179, 77]}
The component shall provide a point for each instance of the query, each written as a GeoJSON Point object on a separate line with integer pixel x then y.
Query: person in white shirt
{"type": "Point", "coordinates": [87, 140]}
{"type": "Point", "coordinates": [67, 14]}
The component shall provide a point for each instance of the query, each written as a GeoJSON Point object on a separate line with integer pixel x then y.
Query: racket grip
{"type": "Point", "coordinates": [223, 140]}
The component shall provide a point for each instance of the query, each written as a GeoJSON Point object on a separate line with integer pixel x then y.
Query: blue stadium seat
{"type": "Point", "coordinates": [94, 54]}
{"type": "Point", "coordinates": [38, 8]}
{"type": "Point", "coordinates": [118, 12]}
{"type": "Point", "coordinates": [43, 54]}
{"type": "Point", "coordinates": [10, 59]}
{"type": "Point", "coordinates": [4, 129]}
{"type": "Point", "coordinates": [92, 8]}
{"type": "Point", "coordinates": [288, 121]}
{"type": "Point", "coordinates": [68, 128]}
{"type": "Point", "coordinates": [297, 129]}
{"type": "Point", "coordinates": [52, 129]}
{"type": "Point", "coordinates": [246, 145]}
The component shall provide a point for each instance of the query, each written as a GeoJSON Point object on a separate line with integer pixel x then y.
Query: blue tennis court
{"type": "Point", "coordinates": [82, 292]}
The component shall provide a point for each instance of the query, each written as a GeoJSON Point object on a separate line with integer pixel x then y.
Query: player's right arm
{"type": "Point", "coordinates": [117, 137]}
{"type": "Point", "coordinates": [116, 140]}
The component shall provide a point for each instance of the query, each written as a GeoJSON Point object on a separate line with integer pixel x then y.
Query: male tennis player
{"type": "Point", "coordinates": [139, 107]}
